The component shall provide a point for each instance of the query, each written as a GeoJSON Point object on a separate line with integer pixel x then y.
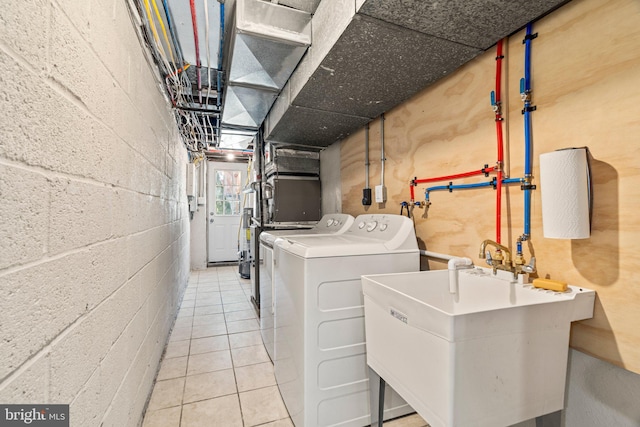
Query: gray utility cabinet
{"type": "Point", "coordinates": [294, 176]}
{"type": "Point", "coordinates": [290, 161]}
{"type": "Point", "coordinates": [295, 199]}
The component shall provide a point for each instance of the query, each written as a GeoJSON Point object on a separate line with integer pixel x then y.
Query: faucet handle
{"type": "Point", "coordinates": [488, 258]}
{"type": "Point", "coordinates": [531, 267]}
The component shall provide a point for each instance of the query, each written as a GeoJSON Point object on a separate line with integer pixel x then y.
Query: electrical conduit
{"type": "Point", "coordinates": [205, 4]}
{"type": "Point", "coordinates": [156, 37]}
{"type": "Point", "coordinates": [164, 30]}
{"type": "Point", "coordinates": [366, 191]}
{"type": "Point", "coordinates": [220, 52]}
{"type": "Point", "coordinates": [173, 35]}
{"type": "Point", "coordinates": [366, 156]}
{"type": "Point", "coordinates": [382, 158]}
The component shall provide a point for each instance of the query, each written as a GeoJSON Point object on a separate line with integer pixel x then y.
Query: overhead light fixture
{"type": "Point", "coordinates": [231, 156]}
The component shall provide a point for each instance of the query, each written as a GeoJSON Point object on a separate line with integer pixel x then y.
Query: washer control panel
{"type": "Point", "coordinates": [383, 226]}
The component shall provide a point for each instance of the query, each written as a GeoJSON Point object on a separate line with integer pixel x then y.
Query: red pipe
{"type": "Point", "coordinates": [499, 166]}
{"type": "Point", "coordinates": [456, 176]}
{"type": "Point", "coordinates": [498, 111]}
{"type": "Point", "coordinates": [195, 37]}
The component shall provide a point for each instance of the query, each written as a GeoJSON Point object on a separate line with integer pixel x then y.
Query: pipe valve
{"type": "Point", "coordinates": [496, 105]}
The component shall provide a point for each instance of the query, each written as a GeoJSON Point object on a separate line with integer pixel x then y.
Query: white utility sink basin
{"type": "Point", "coordinates": [493, 354]}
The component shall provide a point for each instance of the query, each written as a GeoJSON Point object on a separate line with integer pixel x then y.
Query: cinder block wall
{"type": "Point", "coordinates": [94, 232]}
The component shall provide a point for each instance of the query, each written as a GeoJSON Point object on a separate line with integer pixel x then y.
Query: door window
{"type": "Point", "coordinates": [228, 189]}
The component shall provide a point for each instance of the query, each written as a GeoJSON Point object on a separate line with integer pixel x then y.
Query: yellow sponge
{"type": "Point", "coordinates": [552, 285]}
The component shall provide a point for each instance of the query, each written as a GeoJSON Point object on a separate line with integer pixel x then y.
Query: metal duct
{"type": "Point", "coordinates": [236, 139]}
{"type": "Point", "coordinates": [266, 43]}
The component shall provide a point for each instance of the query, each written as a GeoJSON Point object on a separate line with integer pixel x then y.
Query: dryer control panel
{"type": "Point", "coordinates": [332, 223]}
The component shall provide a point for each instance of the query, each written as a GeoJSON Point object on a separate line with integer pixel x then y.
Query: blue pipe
{"type": "Point", "coordinates": [436, 188]}
{"type": "Point", "coordinates": [469, 186]}
{"type": "Point", "coordinates": [527, 57]}
{"type": "Point", "coordinates": [525, 93]}
{"type": "Point", "coordinates": [221, 35]}
{"type": "Point", "coordinates": [513, 181]}
{"type": "Point", "coordinates": [456, 187]}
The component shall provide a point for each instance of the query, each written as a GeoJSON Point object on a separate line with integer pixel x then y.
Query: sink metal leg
{"type": "Point", "coordinates": [376, 396]}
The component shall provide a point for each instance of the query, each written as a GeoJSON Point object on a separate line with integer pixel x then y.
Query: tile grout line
{"type": "Point", "coordinates": [184, 385]}
{"type": "Point", "coordinates": [227, 335]}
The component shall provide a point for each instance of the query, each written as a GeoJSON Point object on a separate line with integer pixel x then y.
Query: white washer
{"type": "Point", "coordinates": [329, 224]}
{"type": "Point", "coordinates": [320, 362]}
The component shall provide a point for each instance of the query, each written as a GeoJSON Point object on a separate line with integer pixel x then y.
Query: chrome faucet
{"type": "Point", "coordinates": [519, 262]}
{"type": "Point", "coordinates": [501, 260]}
{"type": "Point", "coordinates": [528, 268]}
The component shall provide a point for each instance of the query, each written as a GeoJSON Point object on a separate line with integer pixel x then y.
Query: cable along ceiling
{"type": "Point", "coordinates": [220, 100]}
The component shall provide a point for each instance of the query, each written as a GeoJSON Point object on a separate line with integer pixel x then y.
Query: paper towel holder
{"type": "Point", "coordinates": [589, 183]}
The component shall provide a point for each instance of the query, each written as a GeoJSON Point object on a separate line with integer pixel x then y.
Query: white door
{"type": "Point", "coordinates": [224, 202]}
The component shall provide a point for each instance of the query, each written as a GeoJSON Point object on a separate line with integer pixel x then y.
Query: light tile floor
{"type": "Point", "coordinates": [215, 370]}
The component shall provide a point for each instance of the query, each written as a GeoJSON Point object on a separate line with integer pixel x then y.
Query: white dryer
{"type": "Point", "coordinates": [330, 224]}
{"type": "Point", "coordinates": [320, 362]}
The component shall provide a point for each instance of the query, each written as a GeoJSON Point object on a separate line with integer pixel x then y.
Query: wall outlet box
{"type": "Point", "coordinates": [366, 197]}
{"type": "Point", "coordinates": [192, 203]}
{"type": "Point", "coordinates": [381, 194]}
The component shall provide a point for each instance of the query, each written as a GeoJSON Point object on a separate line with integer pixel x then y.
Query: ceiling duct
{"type": "Point", "coordinates": [266, 43]}
{"type": "Point", "coordinates": [236, 139]}
{"type": "Point", "coordinates": [370, 55]}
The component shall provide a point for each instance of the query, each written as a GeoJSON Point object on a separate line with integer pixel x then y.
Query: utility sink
{"type": "Point", "coordinates": [493, 354]}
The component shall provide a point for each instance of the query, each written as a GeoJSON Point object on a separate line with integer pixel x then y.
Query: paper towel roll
{"type": "Point", "coordinates": [564, 184]}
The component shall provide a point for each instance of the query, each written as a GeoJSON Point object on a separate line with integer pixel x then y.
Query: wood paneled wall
{"type": "Point", "coordinates": [586, 86]}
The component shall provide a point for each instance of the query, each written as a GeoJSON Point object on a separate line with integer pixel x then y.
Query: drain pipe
{"type": "Point", "coordinates": [453, 265]}
{"type": "Point", "coordinates": [366, 192]}
{"type": "Point", "coordinates": [381, 191]}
